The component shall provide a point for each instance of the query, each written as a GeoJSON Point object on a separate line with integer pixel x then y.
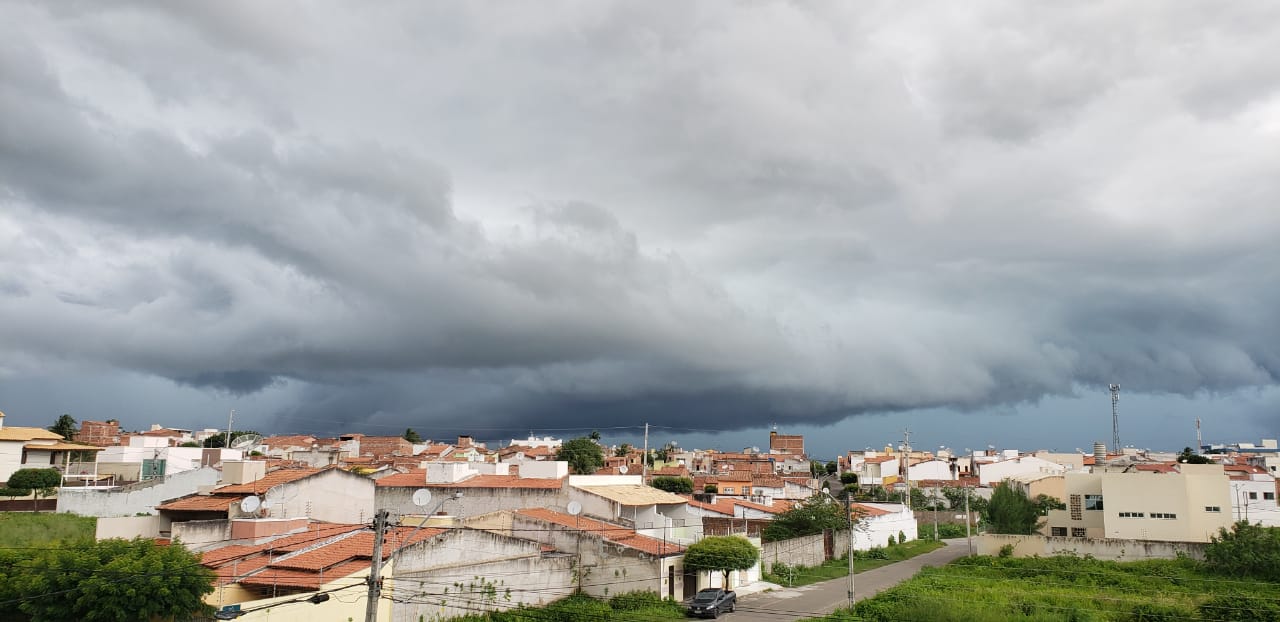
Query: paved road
{"type": "Point", "coordinates": [822, 598]}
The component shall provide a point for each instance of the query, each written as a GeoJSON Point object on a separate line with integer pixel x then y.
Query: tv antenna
{"type": "Point", "coordinates": [246, 442]}
{"type": "Point", "coordinates": [250, 504]}
{"type": "Point", "coordinates": [421, 497]}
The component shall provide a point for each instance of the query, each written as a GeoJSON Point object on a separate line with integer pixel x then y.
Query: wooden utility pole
{"type": "Point", "coordinates": [375, 582]}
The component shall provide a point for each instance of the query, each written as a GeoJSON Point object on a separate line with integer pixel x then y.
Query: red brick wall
{"type": "Point", "coordinates": [100, 433]}
{"type": "Point", "coordinates": [382, 446]}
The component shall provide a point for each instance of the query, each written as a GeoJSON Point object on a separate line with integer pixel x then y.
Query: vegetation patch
{"type": "Point", "coordinates": [629, 607]}
{"type": "Point", "coordinates": [21, 529]}
{"type": "Point", "coordinates": [1069, 588]}
{"type": "Point", "coordinates": [796, 576]}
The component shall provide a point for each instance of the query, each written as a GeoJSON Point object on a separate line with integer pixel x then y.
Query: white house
{"type": "Point", "coordinates": [38, 448]}
{"type": "Point", "coordinates": [937, 470]}
{"type": "Point", "coordinates": [1253, 495]}
{"type": "Point", "coordinates": [992, 473]}
{"type": "Point", "coordinates": [877, 522]}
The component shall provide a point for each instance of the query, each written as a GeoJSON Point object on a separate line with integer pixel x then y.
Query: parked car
{"type": "Point", "coordinates": [712, 602]}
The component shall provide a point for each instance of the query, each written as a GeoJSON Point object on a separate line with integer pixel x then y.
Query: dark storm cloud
{"type": "Point", "coordinates": [548, 216]}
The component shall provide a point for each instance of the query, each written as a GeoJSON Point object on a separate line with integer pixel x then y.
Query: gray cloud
{"type": "Point", "coordinates": [742, 214]}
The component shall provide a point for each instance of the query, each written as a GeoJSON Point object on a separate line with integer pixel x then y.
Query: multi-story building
{"type": "Point", "coordinates": [1189, 505]}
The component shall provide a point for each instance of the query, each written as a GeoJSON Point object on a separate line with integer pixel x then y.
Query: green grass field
{"type": "Point", "coordinates": [19, 529]}
{"type": "Point", "coordinates": [1069, 589]}
{"type": "Point", "coordinates": [836, 568]}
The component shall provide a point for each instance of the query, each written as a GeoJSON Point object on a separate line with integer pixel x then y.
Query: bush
{"type": "Point", "coordinates": [1240, 608]}
{"type": "Point", "coordinates": [877, 553]}
{"type": "Point", "coordinates": [1246, 550]}
{"type": "Point", "coordinates": [678, 485]}
{"type": "Point", "coordinates": [1152, 612]}
{"type": "Point", "coordinates": [902, 537]}
{"type": "Point", "coordinates": [632, 601]}
{"type": "Point", "coordinates": [1006, 551]}
{"type": "Point", "coordinates": [847, 478]}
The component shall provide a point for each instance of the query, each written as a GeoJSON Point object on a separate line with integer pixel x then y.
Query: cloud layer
{"type": "Point", "coordinates": [569, 213]}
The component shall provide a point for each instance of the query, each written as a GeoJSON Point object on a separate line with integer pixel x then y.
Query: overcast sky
{"type": "Point", "coordinates": [840, 218]}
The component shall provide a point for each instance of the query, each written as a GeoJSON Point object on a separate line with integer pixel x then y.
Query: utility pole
{"type": "Point", "coordinates": [231, 417]}
{"type": "Point", "coordinates": [375, 586]}
{"type": "Point", "coordinates": [1115, 417]}
{"type": "Point", "coordinates": [848, 512]}
{"type": "Point", "coordinates": [644, 462]}
{"type": "Point", "coordinates": [906, 463]}
{"type": "Point", "coordinates": [967, 520]}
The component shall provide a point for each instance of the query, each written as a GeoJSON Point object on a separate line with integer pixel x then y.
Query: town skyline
{"type": "Point", "coordinates": [837, 218]}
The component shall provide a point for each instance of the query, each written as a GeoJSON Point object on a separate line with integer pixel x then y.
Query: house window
{"type": "Point", "coordinates": [728, 490]}
{"type": "Point", "coordinates": [1076, 514]}
{"type": "Point", "coordinates": [1060, 532]}
{"type": "Point", "coordinates": [1164, 515]}
{"type": "Point", "coordinates": [1131, 515]}
{"type": "Point", "coordinates": [1212, 508]}
{"type": "Point", "coordinates": [1269, 496]}
{"type": "Point", "coordinates": [1093, 502]}
{"type": "Point", "coordinates": [1253, 496]}
{"type": "Point", "coordinates": [1077, 532]}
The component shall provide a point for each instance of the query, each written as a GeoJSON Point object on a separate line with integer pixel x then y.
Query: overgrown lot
{"type": "Point", "coordinates": [629, 607]}
{"type": "Point", "coordinates": [1068, 588]}
{"type": "Point", "coordinates": [19, 529]}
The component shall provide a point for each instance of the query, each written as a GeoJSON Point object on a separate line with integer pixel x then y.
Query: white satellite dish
{"type": "Point", "coordinates": [623, 469]}
{"type": "Point", "coordinates": [421, 497]}
{"type": "Point", "coordinates": [245, 442]}
{"type": "Point", "coordinates": [574, 508]}
{"type": "Point", "coordinates": [250, 504]}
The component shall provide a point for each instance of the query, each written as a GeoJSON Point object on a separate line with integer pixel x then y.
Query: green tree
{"type": "Point", "coordinates": [594, 435]}
{"type": "Point", "coordinates": [1246, 550]}
{"type": "Point", "coordinates": [678, 485]}
{"type": "Point", "coordinates": [721, 554]}
{"type": "Point", "coordinates": [711, 488]}
{"type": "Point", "coordinates": [622, 450]}
{"type": "Point", "coordinates": [113, 581]}
{"type": "Point", "coordinates": [412, 436]}
{"type": "Point", "coordinates": [1190, 457]}
{"type": "Point", "coordinates": [811, 516]}
{"type": "Point", "coordinates": [848, 477]}
{"type": "Point", "coordinates": [39, 482]}
{"type": "Point", "coordinates": [1044, 503]}
{"type": "Point", "coordinates": [832, 467]}
{"type": "Point", "coordinates": [220, 440]}
{"type": "Point", "coordinates": [583, 455]}
{"type": "Point", "coordinates": [1010, 511]}
{"type": "Point", "coordinates": [65, 426]}
{"type": "Point", "coordinates": [918, 499]}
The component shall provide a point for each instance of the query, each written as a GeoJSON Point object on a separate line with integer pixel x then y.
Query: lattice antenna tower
{"type": "Point", "coordinates": [1115, 418]}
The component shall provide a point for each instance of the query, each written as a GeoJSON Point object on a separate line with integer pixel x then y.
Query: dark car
{"type": "Point", "coordinates": [712, 602]}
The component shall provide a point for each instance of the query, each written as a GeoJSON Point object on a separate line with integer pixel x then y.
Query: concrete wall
{"type": "Point", "coordinates": [466, 570]}
{"type": "Point", "coordinates": [474, 501]}
{"type": "Point", "coordinates": [10, 458]}
{"type": "Point", "coordinates": [197, 532]}
{"type": "Point", "coordinates": [1130, 550]}
{"type": "Point", "coordinates": [803, 551]}
{"type": "Point", "coordinates": [348, 604]}
{"type": "Point", "coordinates": [334, 495]}
{"type": "Point", "coordinates": [129, 527]}
{"type": "Point", "coordinates": [135, 498]}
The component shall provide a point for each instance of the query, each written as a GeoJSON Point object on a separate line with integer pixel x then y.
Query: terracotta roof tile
{"type": "Point", "coordinates": [616, 534]}
{"type": "Point", "coordinates": [417, 479]}
{"type": "Point", "coordinates": [268, 481]}
{"type": "Point", "coordinates": [201, 503]}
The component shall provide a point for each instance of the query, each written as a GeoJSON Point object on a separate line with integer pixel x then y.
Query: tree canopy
{"type": "Point", "coordinates": [412, 436]}
{"type": "Point", "coordinates": [813, 515]}
{"type": "Point", "coordinates": [679, 485]}
{"type": "Point", "coordinates": [65, 426]}
{"type": "Point", "coordinates": [622, 450]}
{"type": "Point", "coordinates": [1011, 511]}
{"type": "Point", "coordinates": [110, 581]}
{"type": "Point", "coordinates": [583, 454]}
{"type": "Point", "coordinates": [721, 554]}
{"type": "Point", "coordinates": [36, 482]}
{"type": "Point", "coordinates": [1246, 550]}
{"type": "Point", "coordinates": [220, 440]}
{"type": "Point", "coordinates": [1190, 457]}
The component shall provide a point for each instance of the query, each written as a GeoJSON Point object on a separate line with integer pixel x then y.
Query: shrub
{"type": "Point", "coordinates": [847, 478]}
{"type": "Point", "coordinates": [679, 485]}
{"type": "Point", "coordinates": [1240, 608]}
{"type": "Point", "coordinates": [1006, 551]}
{"type": "Point", "coordinates": [632, 601]}
{"type": "Point", "coordinates": [1152, 612]}
{"type": "Point", "coordinates": [1246, 550]}
{"type": "Point", "coordinates": [877, 553]}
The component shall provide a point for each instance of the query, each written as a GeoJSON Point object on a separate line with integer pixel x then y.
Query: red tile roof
{"type": "Point", "coordinates": [270, 564]}
{"type": "Point", "coordinates": [297, 440]}
{"type": "Point", "coordinates": [268, 481]}
{"type": "Point", "coordinates": [866, 510]}
{"type": "Point", "coordinates": [417, 479]}
{"type": "Point", "coordinates": [616, 534]}
{"type": "Point", "coordinates": [201, 503]}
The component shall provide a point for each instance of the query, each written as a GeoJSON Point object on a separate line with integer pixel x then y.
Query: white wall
{"type": "Point", "coordinates": [474, 502]}
{"type": "Point", "coordinates": [10, 458]}
{"type": "Point", "coordinates": [333, 495]}
{"type": "Point", "coordinates": [1258, 509]}
{"type": "Point", "coordinates": [875, 530]}
{"type": "Point", "coordinates": [996, 472]}
{"type": "Point", "coordinates": [134, 498]}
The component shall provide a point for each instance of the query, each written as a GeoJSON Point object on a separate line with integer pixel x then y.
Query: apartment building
{"type": "Point", "coordinates": [1188, 505]}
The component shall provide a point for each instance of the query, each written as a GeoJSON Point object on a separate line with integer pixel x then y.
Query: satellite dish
{"type": "Point", "coordinates": [421, 497]}
{"type": "Point", "coordinates": [574, 508]}
{"type": "Point", "coordinates": [623, 469]}
{"type": "Point", "coordinates": [250, 504]}
{"type": "Point", "coordinates": [245, 442]}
